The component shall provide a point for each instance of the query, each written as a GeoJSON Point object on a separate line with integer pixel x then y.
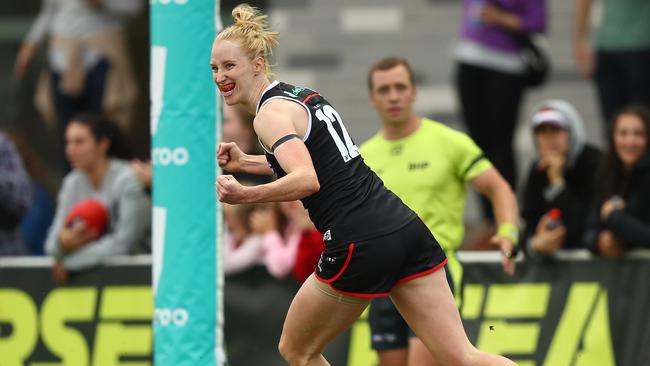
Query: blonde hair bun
{"type": "Point", "coordinates": [251, 29]}
{"type": "Point", "coordinates": [248, 17]}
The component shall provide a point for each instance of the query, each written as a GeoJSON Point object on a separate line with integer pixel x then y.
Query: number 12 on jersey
{"type": "Point", "coordinates": [347, 148]}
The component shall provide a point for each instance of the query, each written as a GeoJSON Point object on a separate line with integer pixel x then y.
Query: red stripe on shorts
{"type": "Point", "coordinates": [345, 265]}
{"type": "Point", "coordinates": [430, 270]}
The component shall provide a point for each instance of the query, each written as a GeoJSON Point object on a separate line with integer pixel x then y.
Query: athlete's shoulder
{"type": "Point", "coordinates": [300, 93]}
{"type": "Point", "coordinates": [293, 90]}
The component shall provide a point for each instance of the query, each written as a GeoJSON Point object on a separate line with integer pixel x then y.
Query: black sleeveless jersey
{"type": "Point", "coordinates": [352, 203]}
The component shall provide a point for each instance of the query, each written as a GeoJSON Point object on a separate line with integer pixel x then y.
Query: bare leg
{"type": "Point", "coordinates": [393, 357]}
{"type": "Point", "coordinates": [314, 319]}
{"type": "Point", "coordinates": [428, 307]}
{"type": "Point", "coordinates": [419, 355]}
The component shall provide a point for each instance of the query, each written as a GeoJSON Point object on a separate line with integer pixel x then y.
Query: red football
{"type": "Point", "coordinates": [92, 212]}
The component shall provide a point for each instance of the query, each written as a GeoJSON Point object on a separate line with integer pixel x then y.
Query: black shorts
{"type": "Point", "coordinates": [387, 327]}
{"type": "Point", "coordinates": [370, 268]}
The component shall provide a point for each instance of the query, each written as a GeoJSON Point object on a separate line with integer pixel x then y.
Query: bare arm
{"type": "Point", "coordinates": [276, 120]}
{"type": "Point", "coordinates": [583, 53]}
{"type": "Point", "coordinates": [256, 164]}
{"type": "Point", "coordinates": [493, 15]}
{"type": "Point", "coordinates": [581, 19]}
{"type": "Point", "coordinates": [38, 32]}
{"type": "Point", "coordinates": [232, 159]}
{"type": "Point", "coordinates": [300, 181]}
{"type": "Point", "coordinates": [504, 205]}
{"type": "Point", "coordinates": [531, 20]}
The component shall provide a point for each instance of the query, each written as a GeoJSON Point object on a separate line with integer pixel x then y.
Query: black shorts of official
{"type": "Point", "coordinates": [370, 268]}
{"type": "Point", "coordinates": [387, 327]}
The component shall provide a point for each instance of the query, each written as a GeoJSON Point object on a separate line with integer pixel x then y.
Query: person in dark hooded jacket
{"type": "Point", "coordinates": [620, 217]}
{"type": "Point", "coordinates": [560, 182]}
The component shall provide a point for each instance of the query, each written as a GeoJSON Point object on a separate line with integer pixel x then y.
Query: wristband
{"type": "Point", "coordinates": [509, 231]}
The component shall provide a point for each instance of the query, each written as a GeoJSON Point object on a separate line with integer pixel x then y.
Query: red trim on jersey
{"type": "Point", "coordinates": [355, 294]}
{"type": "Point", "coordinates": [309, 97]}
{"type": "Point", "coordinates": [430, 270]}
{"type": "Point", "coordinates": [345, 265]}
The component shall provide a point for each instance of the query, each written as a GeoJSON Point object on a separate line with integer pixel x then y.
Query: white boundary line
{"type": "Point", "coordinates": [464, 256]}
{"type": "Point", "coordinates": [576, 255]}
{"type": "Point", "coordinates": [117, 261]}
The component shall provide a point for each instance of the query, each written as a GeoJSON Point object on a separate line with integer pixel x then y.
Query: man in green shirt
{"type": "Point", "coordinates": [428, 165]}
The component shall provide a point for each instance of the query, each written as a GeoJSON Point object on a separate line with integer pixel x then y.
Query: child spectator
{"type": "Point", "coordinates": [291, 243]}
{"type": "Point", "coordinates": [243, 248]}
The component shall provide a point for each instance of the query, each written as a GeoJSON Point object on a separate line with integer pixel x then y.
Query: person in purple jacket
{"type": "Point", "coordinates": [489, 76]}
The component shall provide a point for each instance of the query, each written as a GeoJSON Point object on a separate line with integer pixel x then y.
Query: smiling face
{"type": "Point", "coordinates": [393, 94]}
{"type": "Point", "coordinates": [630, 139]}
{"type": "Point", "coordinates": [233, 71]}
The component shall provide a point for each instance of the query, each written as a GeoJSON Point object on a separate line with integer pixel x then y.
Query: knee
{"type": "Point", "coordinates": [291, 354]}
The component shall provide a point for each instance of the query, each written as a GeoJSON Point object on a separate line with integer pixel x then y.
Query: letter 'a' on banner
{"type": "Point", "coordinates": [185, 128]}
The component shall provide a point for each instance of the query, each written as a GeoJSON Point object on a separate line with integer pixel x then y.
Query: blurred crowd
{"type": "Point", "coordinates": [85, 95]}
{"type": "Point", "coordinates": [575, 194]}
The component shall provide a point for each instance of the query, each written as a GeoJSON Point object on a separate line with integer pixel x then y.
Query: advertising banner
{"type": "Point", "coordinates": [100, 317]}
{"type": "Point", "coordinates": [561, 313]}
{"type": "Point", "coordinates": [567, 312]}
{"type": "Point", "coordinates": [184, 127]}
{"type": "Point", "coordinates": [573, 310]}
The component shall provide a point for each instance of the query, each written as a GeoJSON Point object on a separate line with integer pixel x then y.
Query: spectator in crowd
{"type": "Point", "coordinates": [15, 198]}
{"type": "Point", "coordinates": [620, 219]}
{"type": "Point", "coordinates": [428, 165]}
{"type": "Point", "coordinates": [290, 241]}
{"type": "Point", "coordinates": [243, 247]}
{"type": "Point", "coordinates": [38, 218]}
{"type": "Point", "coordinates": [560, 182]}
{"type": "Point", "coordinates": [88, 65]}
{"type": "Point", "coordinates": [489, 78]}
{"type": "Point", "coordinates": [619, 61]}
{"type": "Point", "coordinates": [238, 128]}
{"type": "Point", "coordinates": [96, 151]}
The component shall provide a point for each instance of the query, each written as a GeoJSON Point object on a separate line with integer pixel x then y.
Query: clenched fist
{"type": "Point", "coordinates": [230, 190]}
{"type": "Point", "coordinates": [229, 156]}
